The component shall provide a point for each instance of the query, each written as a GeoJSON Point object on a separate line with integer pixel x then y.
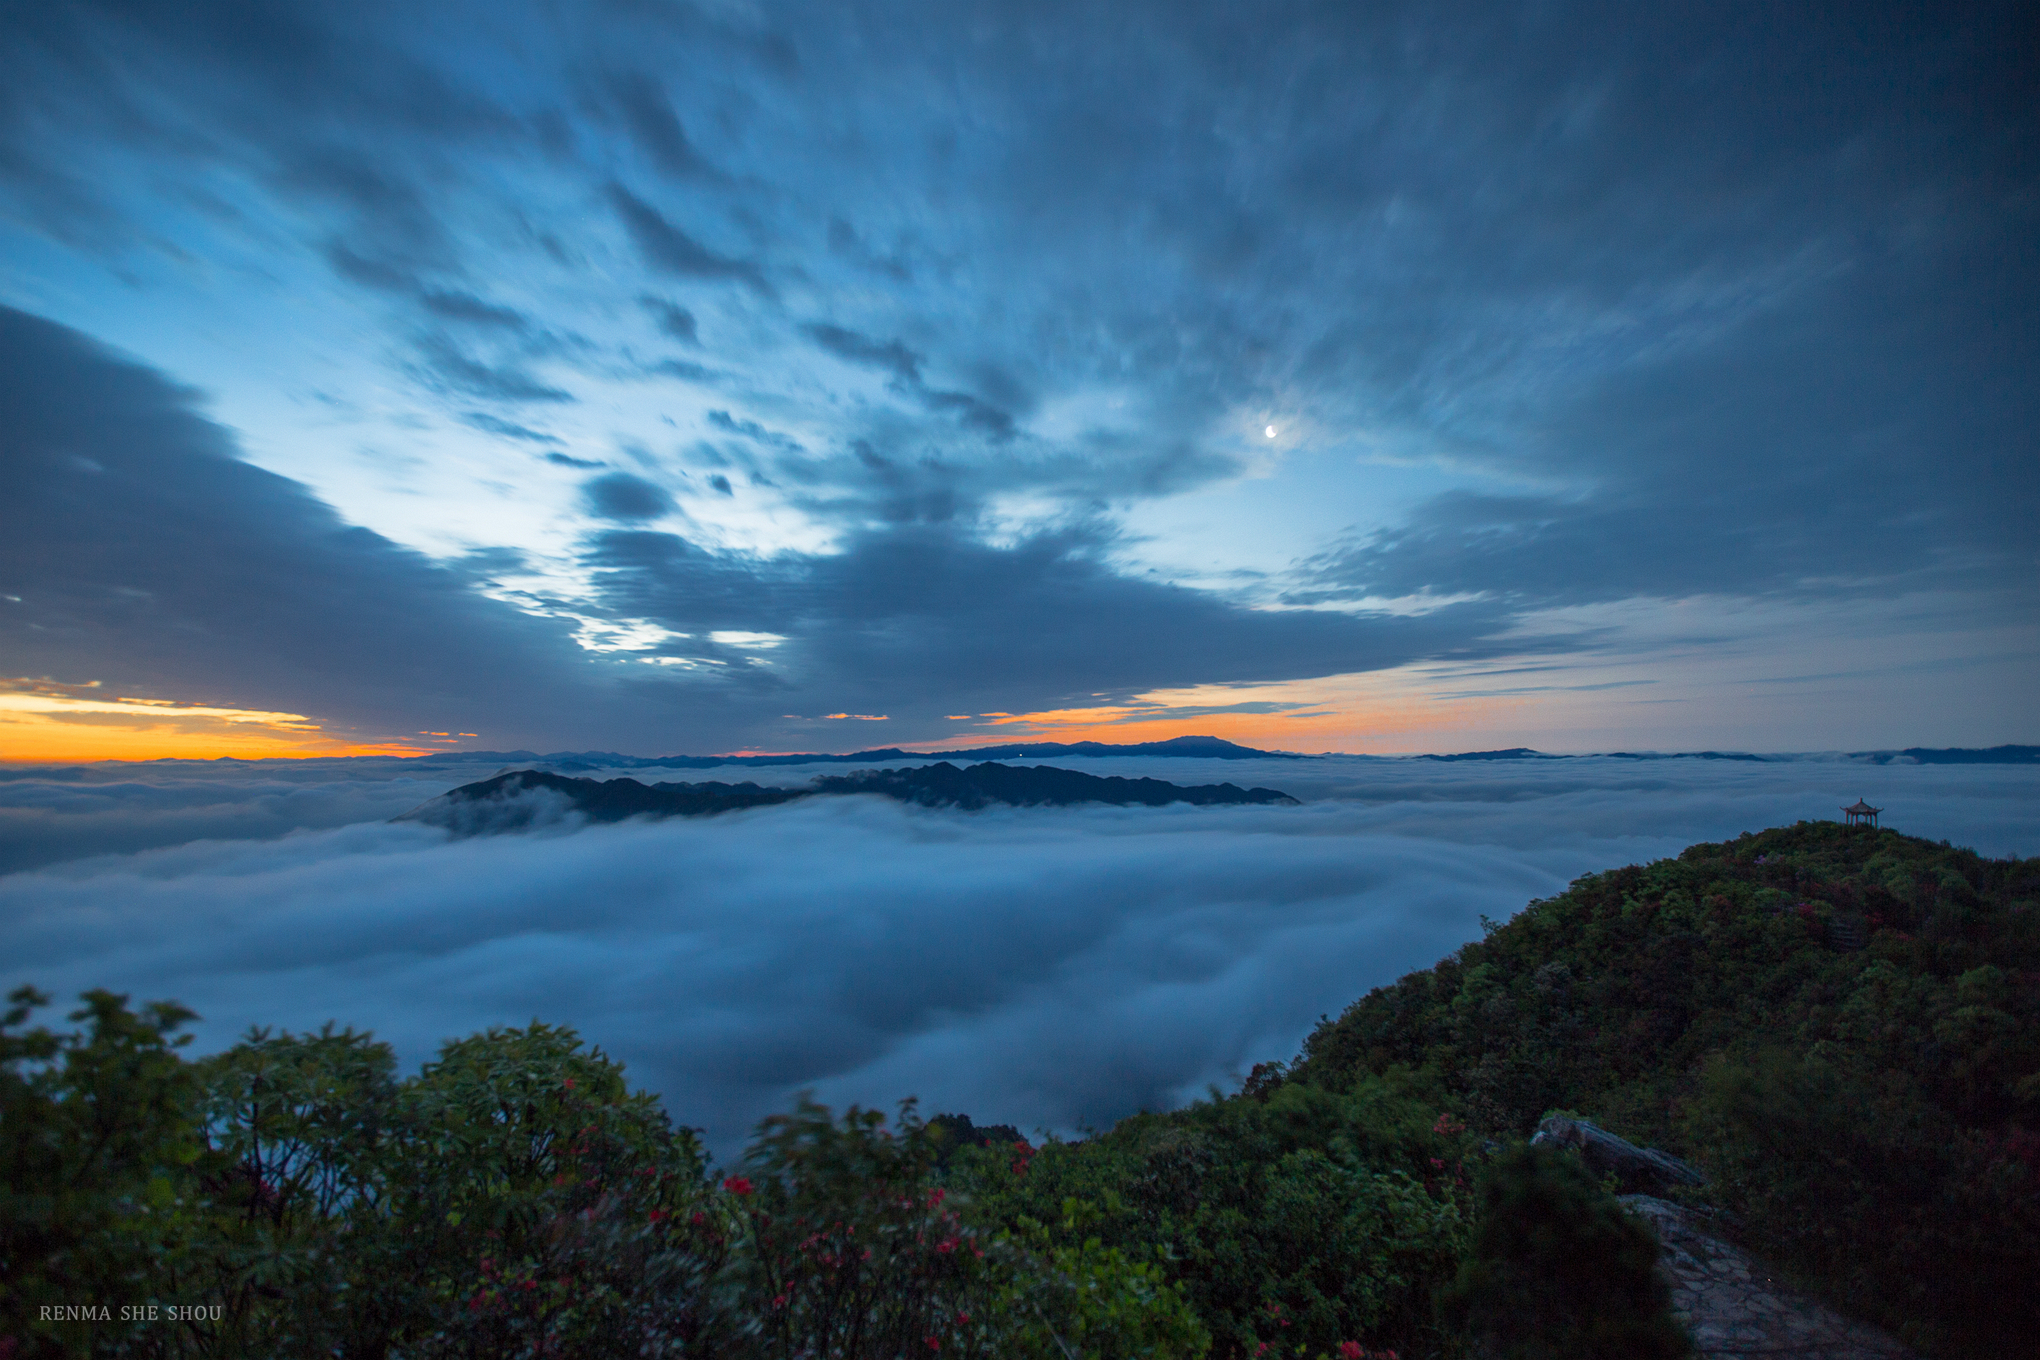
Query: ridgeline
{"type": "Point", "coordinates": [521, 798]}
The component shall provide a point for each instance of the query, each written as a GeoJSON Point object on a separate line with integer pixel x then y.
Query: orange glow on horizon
{"type": "Point", "coordinates": [1359, 714]}
{"type": "Point", "coordinates": [42, 722]}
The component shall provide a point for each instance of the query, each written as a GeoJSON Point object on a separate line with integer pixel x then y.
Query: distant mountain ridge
{"type": "Point", "coordinates": [1193, 747]}
{"type": "Point", "coordinates": [519, 799]}
{"type": "Point", "coordinates": [1918, 755]}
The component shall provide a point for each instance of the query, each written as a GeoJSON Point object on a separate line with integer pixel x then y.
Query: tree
{"type": "Point", "coordinates": [1558, 1271]}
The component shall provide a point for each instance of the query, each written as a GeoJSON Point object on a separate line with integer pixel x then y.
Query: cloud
{"type": "Point", "coordinates": [145, 554]}
{"type": "Point", "coordinates": [50, 814]}
{"type": "Point", "coordinates": [930, 620]}
{"type": "Point", "coordinates": [626, 499]}
{"type": "Point", "coordinates": [674, 320]}
{"type": "Point", "coordinates": [652, 122]}
{"type": "Point", "coordinates": [752, 430]}
{"type": "Point", "coordinates": [1579, 307]}
{"type": "Point", "coordinates": [890, 355]}
{"type": "Point", "coordinates": [670, 250]}
{"type": "Point", "coordinates": [1791, 466]}
{"type": "Point", "coordinates": [458, 306]}
{"type": "Point", "coordinates": [1047, 967]}
{"type": "Point", "coordinates": [510, 429]}
{"type": "Point", "coordinates": [447, 365]}
{"type": "Point", "coordinates": [894, 357]}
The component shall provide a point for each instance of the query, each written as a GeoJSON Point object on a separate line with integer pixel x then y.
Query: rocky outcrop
{"type": "Point", "coordinates": [1734, 1307]}
{"type": "Point", "coordinates": [1639, 1170]}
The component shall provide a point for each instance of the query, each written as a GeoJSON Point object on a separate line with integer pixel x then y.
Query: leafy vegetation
{"type": "Point", "coordinates": [1839, 1024]}
{"type": "Point", "coordinates": [1558, 1270]}
{"type": "Point", "coordinates": [1869, 1113]}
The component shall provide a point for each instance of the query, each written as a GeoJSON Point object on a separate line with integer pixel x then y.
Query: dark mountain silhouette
{"type": "Point", "coordinates": [524, 798]}
{"type": "Point", "coordinates": [1202, 748]}
{"type": "Point", "coordinates": [1205, 748]}
{"type": "Point", "coordinates": [1920, 755]}
{"type": "Point", "coordinates": [1513, 753]}
{"type": "Point", "coordinates": [946, 785]}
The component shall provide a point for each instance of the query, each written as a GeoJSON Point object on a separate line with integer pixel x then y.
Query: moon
{"type": "Point", "coordinates": [1271, 431]}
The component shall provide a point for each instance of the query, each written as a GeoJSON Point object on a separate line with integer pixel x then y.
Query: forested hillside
{"type": "Point", "coordinates": [1837, 1024]}
{"type": "Point", "coordinates": [1842, 1024]}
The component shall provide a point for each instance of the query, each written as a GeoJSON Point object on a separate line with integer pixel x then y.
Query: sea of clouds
{"type": "Point", "coordinates": [1053, 968]}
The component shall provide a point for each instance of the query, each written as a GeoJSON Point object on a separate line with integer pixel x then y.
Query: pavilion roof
{"type": "Point", "coordinates": [1862, 806]}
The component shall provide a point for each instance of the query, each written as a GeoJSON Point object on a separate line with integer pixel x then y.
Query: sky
{"type": "Point", "coordinates": [661, 377]}
{"type": "Point", "coordinates": [1052, 968]}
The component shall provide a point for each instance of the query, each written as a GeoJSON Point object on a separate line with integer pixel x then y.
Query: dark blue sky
{"type": "Point", "coordinates": [658, 377]}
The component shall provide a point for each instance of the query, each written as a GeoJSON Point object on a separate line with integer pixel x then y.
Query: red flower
{"type": "Point", "coordinates": [932, 1343]}
{"type": "Point", "coordinates": [1350, 1350]}
{"type": "Point", "coordinates": [737, 1185]}
{"type": "Point", "coordinates": [570, 1083]}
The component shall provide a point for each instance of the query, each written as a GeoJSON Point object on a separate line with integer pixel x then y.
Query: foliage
{"type": "Point", "coordinates": [855, 1251]}
{"type": "Point", "coordinates": [291, 1197]}
{"type": "Point", "coordinates": [100, 1161]}
{"type": "Point", "coordinates": [1558, 1271]}
{"type": "Point", "coordinates": [1871, 1114]}
{"type": "Point", "coordinates": [1295, 1226]}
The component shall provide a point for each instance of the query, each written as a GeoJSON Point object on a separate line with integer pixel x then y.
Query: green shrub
{"type": "Point", "coordinates": [1558, 1270]}
{"type": "Point", "coordinates": [514, 1199]}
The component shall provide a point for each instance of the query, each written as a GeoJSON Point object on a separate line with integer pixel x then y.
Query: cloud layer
{"type": "Point", "coordinates": [1048, 967]}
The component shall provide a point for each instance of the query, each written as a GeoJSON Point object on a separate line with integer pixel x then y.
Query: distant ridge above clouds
{"type": "Point", "coordinates": [1208, 748]}
{"type": "Point", "coordinates": [527, 798]}
{"type": "Point", "coordinates": [1200, 748]}
{"type": "Point", "coordinates": [1913, 755]}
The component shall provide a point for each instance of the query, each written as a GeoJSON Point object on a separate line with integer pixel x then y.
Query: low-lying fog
{"type": "Point", "coordinates": [1051, 968]}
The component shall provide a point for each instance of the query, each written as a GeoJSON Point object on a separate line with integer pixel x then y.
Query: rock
{"type": "Point", "coordinates": [1734, 1307]}
{"type": "Point", "coordinates": [1637, 1168]}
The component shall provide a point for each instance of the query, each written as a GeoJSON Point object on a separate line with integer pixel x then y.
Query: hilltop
{"type": "Point", "coordinates": [1841, 1024]}
{"type": "Point", "coordinates": [523, 798]}
{"type": "Point", "coordinates": [1186, 748]}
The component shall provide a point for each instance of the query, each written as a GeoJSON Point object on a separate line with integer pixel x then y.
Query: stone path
{"type": "Point", "coordinates": [1734, 1307]}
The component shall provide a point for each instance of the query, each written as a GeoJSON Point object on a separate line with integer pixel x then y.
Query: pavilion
{"type": "Point", "coordinates": [1862, 814]}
